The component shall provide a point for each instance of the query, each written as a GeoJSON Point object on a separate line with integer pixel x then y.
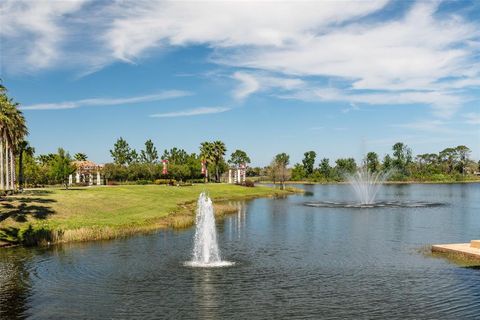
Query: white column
{"type": "Point", "coordinates": [239, 177]}
{"type": "Point", "coordinates": [77, 177]}
{"type": "Point", "coordinates": [70, 180]}
{"type": "Point", "coordinates": [90, 179]}
{"type": "Point", "coordinates": [230, 176]}
{"type": "Point", "coordinates": [98, 178]}
{"type": "Point", "coordinates": [7, 164]}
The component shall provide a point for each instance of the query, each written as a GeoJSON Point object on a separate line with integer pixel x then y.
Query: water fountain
{"type": "Point", "coordinates": [366, 185]}
{"type": "Point", "coordinates": [205, 250]}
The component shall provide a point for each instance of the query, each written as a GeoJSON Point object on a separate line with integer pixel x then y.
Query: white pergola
{"type": "Point", "coordinates": [87, 172]}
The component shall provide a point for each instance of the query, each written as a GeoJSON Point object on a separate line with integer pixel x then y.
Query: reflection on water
{"type": "Point", "coordinates": [292, 261]}
{"type": "Point", "coordinates": [14, 284]}
{"type": "Point", "coordinates": [206, 298]}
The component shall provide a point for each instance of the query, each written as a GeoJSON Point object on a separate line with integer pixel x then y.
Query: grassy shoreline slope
{"type": "Point", "coordinates": [55, 215]}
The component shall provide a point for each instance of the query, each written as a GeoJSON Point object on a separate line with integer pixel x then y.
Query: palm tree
{"type": "Point", "coordinates": [24, 148]}
{"type": "Point", "coordinates": [219, 151]}
{"type": "Point", "coordinates": [13, 129]}
{"type": "Point", "coordinates": [80, 156]}
{"type": "Point", "coordinates": [206, 155]}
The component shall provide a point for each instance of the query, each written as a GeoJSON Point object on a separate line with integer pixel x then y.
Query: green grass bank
{"type": "Point", "coordinates": [53, 215]}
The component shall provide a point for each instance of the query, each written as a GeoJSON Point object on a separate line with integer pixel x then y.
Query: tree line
{"type": "Point", "coordinates": [131, 166]}
{"type": "Point", "coordinates": [146, 166]}
{"type": "Point", "coordinates": [450, 164]}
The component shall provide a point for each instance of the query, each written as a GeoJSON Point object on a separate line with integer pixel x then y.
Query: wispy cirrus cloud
{"type": "Point", "coordinates": [33, 32]}
{"type": "Point", "coordinates": [191, 112]}
{"type": "Point", "coordinates": [251, 82]}
{"type": "Point", "coordinates": [96, 102]}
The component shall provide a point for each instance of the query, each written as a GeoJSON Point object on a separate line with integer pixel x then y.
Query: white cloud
{"type": "Point", "coordinates": [419, 57]}
{"type": "Point", "coordinates": [248, 85]}
{"type": "Point", "coordinates": [191, 112]}
{"type": "Point", "coordinates": [411, 53]}
{"type": "Point", "coordinates": [169, 94]}
{"type": "Point", "coordinates": [32, 31]}
{"type": "Point", "coordinates": [142, 25]}
{"type": "Point", "coordinates": [472, 118]}
{"type": "Point", "coordinates": [251, 82]}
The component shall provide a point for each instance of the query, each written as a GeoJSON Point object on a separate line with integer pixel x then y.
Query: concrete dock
{"type": "Point", "coordinates": [469, 250]}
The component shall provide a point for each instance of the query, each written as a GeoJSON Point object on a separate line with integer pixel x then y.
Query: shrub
{"type": "Point", "coordinates": [170, 182]}
{"type": "Point", "coordinates": [249, 183]}
{"type": "Point", "coordinates": [162, 181]}
{"type": "Point", "coordinates": [143, 182]}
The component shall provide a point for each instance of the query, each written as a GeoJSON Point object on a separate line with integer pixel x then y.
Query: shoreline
{"type": "Point", "coordinates": [178, 215]}
{"type": "Point", "coordinates": [386, 182]}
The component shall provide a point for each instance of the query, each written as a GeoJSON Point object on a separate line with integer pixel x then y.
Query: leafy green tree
{"type": "Point", "coordinates": [282, 160]}
{"type": "Point", "coordinates": [122, 153]}
{"type": "Point", "coordinates": [238, 158]}
{"type": "Point", "coordinates": [372, 162]}
{"type": "Point", "coordinates": [179, 172]}
{"type": "Point", "coordinates": [448, 158]}
{"type": "Point", "coordinates": [298, 172]}
{"type": "Point", "coordinates": [309, 162]}
{"type": "Point", "coordinates": [31, 170]}
{"type": "Point", "coordinates": [80, 156]}
{"type": "Point", "coordinates": [134, 157]}
{"type": "Point", "coordinates": [175, 155]}
{"type": "Point", "coordinates": [62, 167]}
{"type": "Point", "coordinates": [325, 169]}
{"type": "Point", "coordinates": [115, 172]}
{"type": "Point", "coordinates": [150, 154]}
{"type": "Point", "coordinates": [387, 162]}
{"type": "Point", "coordinates": [402, 157]}
{"type": "Point", "coordinates": [463, 155]}
{"type": "Point", "coordinates": [254, 171]}
{"type": "Point", "coordinates": [345, 166]}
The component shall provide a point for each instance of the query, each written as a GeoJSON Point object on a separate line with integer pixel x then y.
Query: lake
{"type": "Point", "coordinates": [291, 261]}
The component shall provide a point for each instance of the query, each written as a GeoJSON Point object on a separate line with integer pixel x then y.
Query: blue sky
{"type": "Point", "coordinates": [334, 77]}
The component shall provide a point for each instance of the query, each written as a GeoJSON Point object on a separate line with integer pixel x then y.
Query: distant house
{"type": "Point", "coordinates": [88, 172]}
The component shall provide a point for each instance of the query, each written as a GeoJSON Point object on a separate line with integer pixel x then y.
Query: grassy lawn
{"type": "Point", "coordinates": [57, 215]}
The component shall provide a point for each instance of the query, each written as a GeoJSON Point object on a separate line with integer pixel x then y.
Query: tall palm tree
{"type": "Point", "coordinates": [219, 151]}
{"type": "Point", "coordinates": [24, 148]}
{"type": "Point", "coordinates": [206, 155]}
{"type": "Point", "coordinates": [5, 125]}
{"type": "Point", "coordinates": [13, 129]}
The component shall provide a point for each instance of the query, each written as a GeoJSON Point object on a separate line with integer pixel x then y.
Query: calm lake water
{"type": "Point", "coordinates": [292, 261]}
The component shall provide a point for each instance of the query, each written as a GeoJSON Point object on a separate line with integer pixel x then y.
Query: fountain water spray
{"type": "Point", "coordinates": [366, 184]}
{"type": "Point", "coordinates": [205, 249]}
